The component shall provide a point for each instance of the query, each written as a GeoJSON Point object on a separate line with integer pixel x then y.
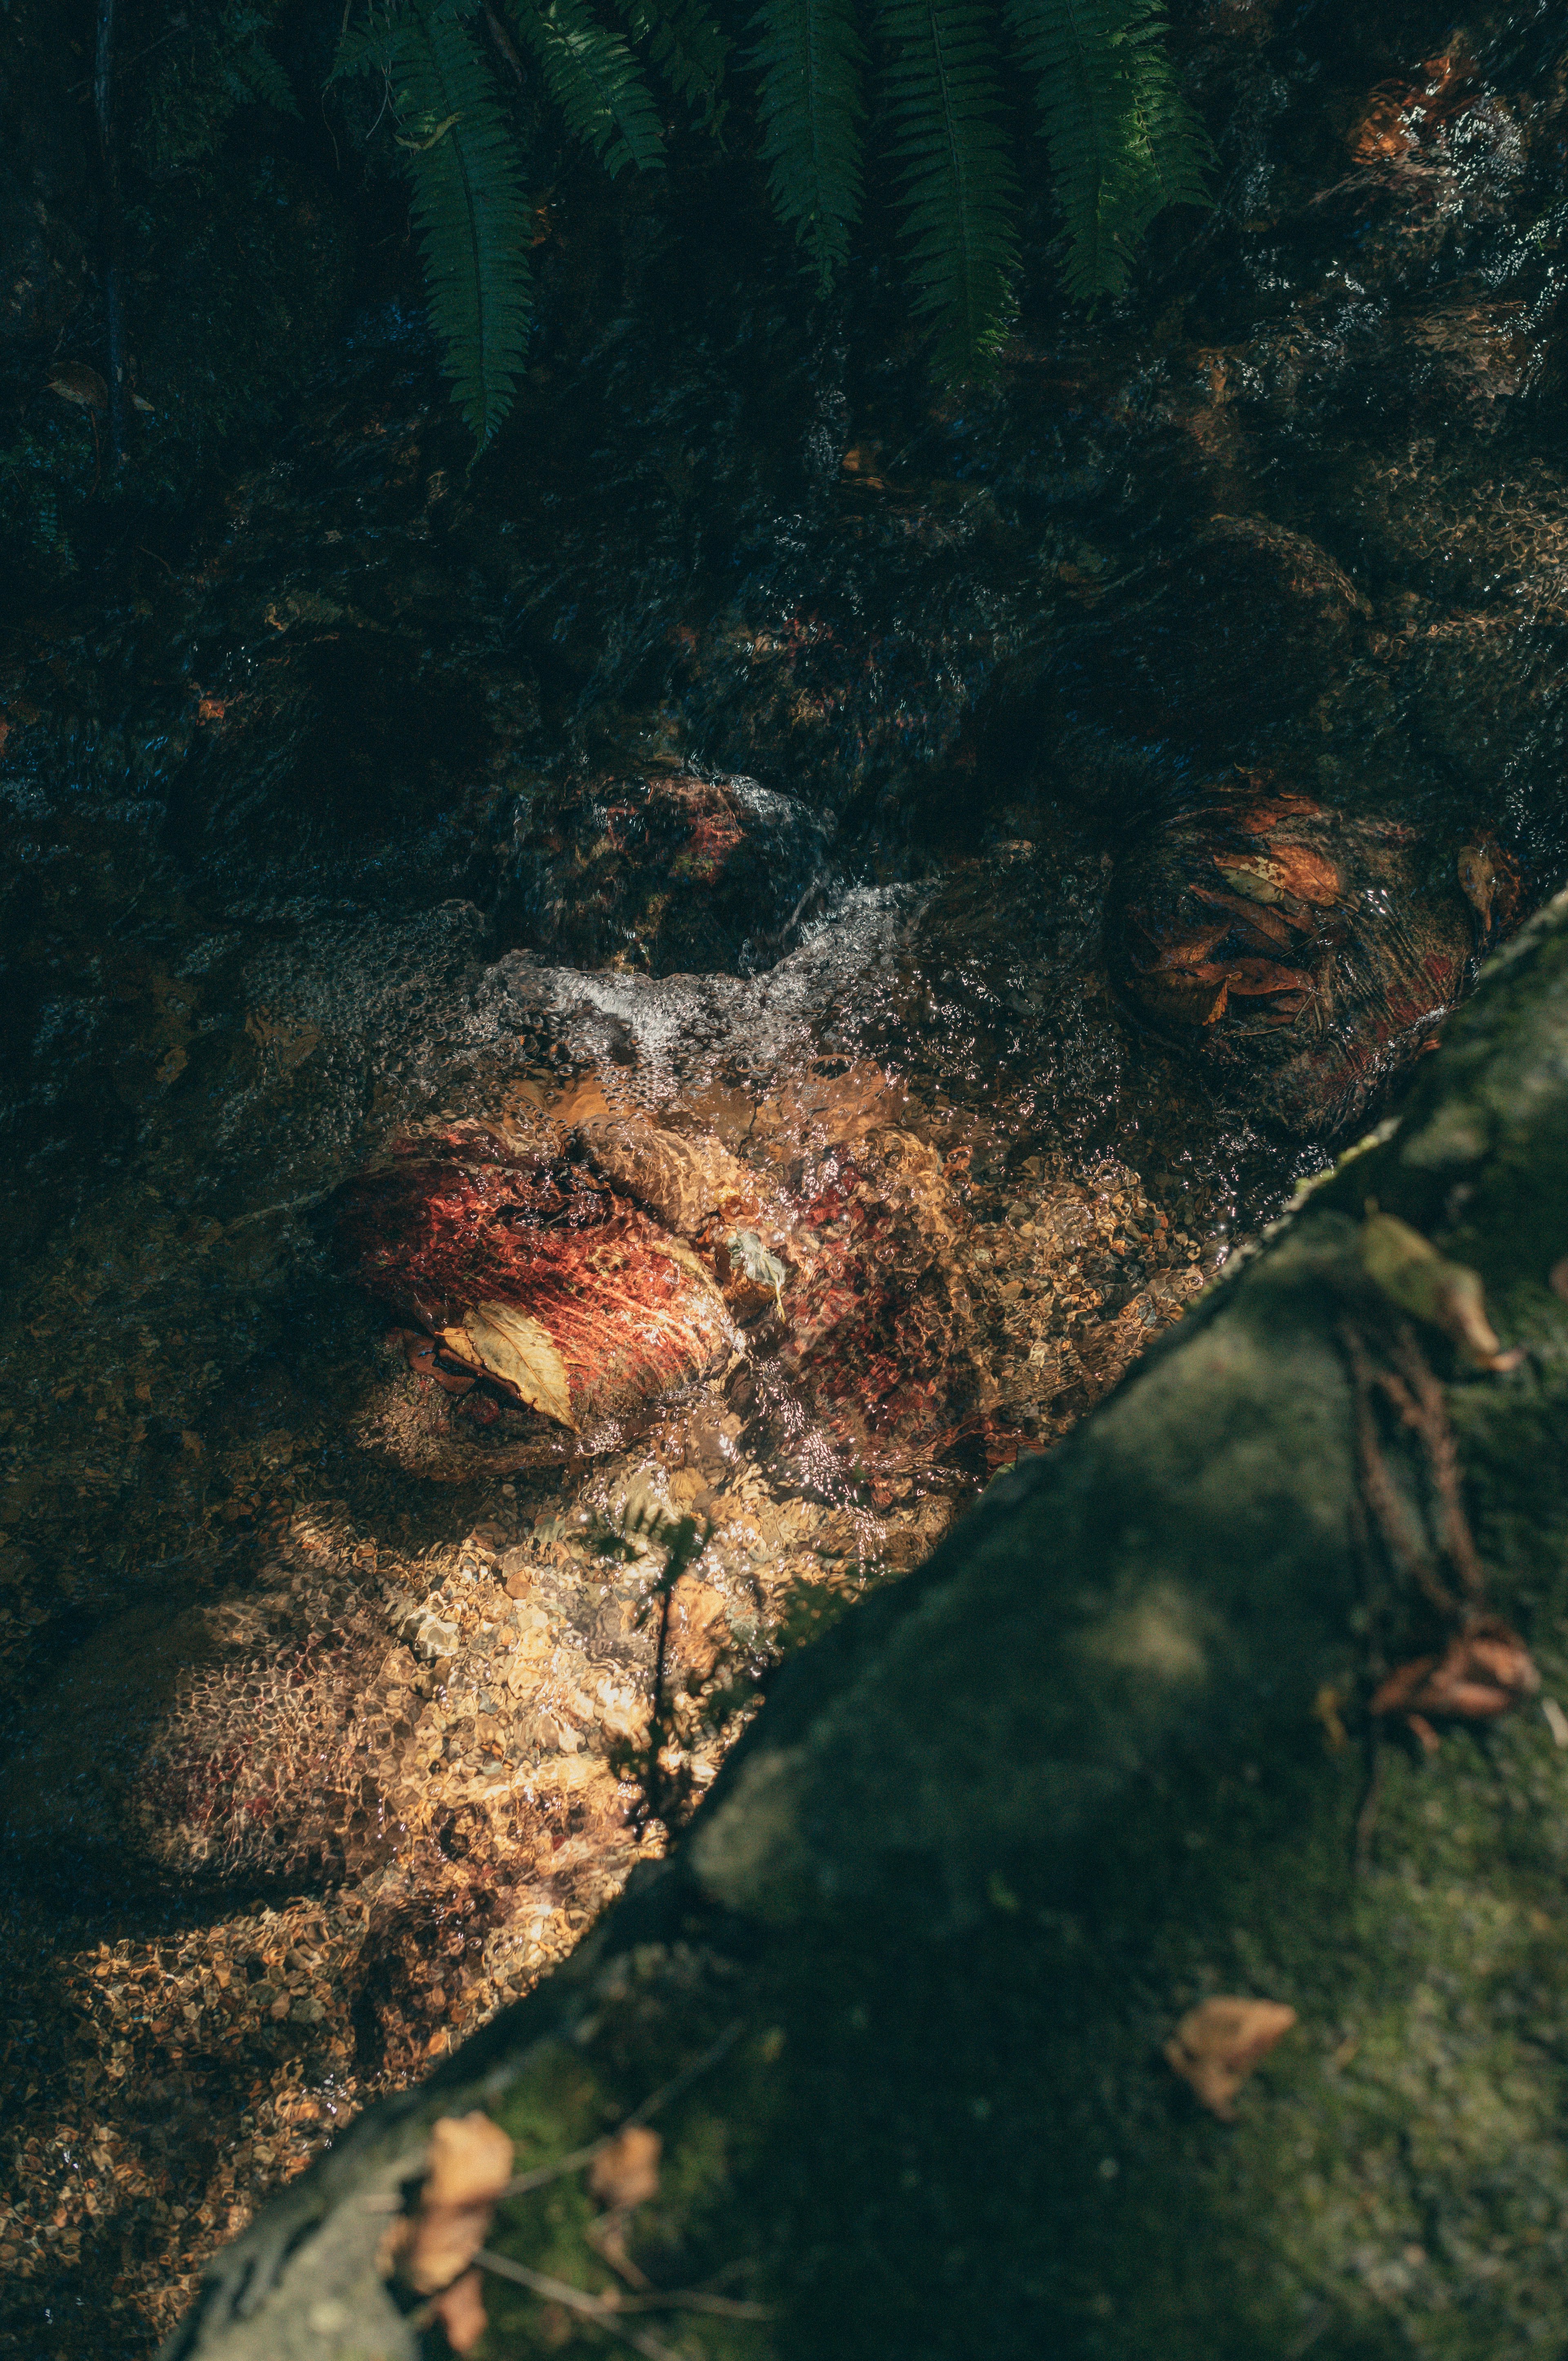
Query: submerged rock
{"type": "Point", "coordinates": [562, 1296]}
{"type": "Point", "coordinates": [573, 1284]}
{"type": "Point", "coordinates": [1302, 954]}
{"type": "Point", "coordinates": [676, 869]}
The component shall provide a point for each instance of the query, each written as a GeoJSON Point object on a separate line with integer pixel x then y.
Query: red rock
{"type": "Point", "coordinates": [536, 1276]}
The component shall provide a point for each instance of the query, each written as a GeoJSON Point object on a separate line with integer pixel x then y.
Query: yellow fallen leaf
{"type": "Point", "coordinates": [1217, 2044]}
{"type": "Point", "coordinates": [499, 1338]}
{"type": "Point", "coordinates": [1411, 1273]}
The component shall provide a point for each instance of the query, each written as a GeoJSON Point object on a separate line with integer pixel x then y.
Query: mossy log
{"type": "Point", "coordinates": [1112, 1750]}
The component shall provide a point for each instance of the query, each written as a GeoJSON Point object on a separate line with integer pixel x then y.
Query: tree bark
{"type": "Point", "coordinates": [1111, 1752]}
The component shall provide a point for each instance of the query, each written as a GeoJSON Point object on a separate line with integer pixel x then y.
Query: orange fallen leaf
{"type": "Point", "coordinates": [625, 2173]}
{"type": "Point", "coordinates": [1297, 870]}
{"type": "Point", "coordinates": [1187, 955]}
{"type": "Point", "coordinates": [1480, 1675]}
{"type": "Point", "coordinates": [1250, 976]}
{"type": "Point", "coordinates": [1217, 2045]}
{"type": "Point", "coordinates": [467, 2168]}
{"type": "Point", "coordinates": [1255, 916]}
{"type": "Point", "coordinates": [1259, 818]}
{"type": "Point", "coordinates": [461, 2311]}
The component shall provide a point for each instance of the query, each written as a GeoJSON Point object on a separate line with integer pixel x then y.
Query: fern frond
{"type": "Point", "coordinates": [958, 191]}
{"type": "Point", "coordinates": [368, 47]}
{"type": "Point", "coordinates": [593, 80]}
{"type": "Point", "coordinates": [264, 79]}
{"type": "Point", "coordinates": [1179, 152]}
{"type": "Point", "coordinates": [468, 207]}
{"type": "Point", "coordinates": [809, 56]}
{"type": "Point", "coordinates": [1124, 144]}
{"type": "Point", "coordinates": [688, 49]}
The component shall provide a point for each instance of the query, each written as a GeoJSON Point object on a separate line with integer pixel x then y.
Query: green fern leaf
{"type": "Point", "coordinates": [1124, 144]}
{"type": "Point", "coordinates": [365, 48]}
{"type": "Point", "coordinates": [1180, 154]}
{"type": "Point", "coordinates": [809, 57]}
{"type": "Point", "coordinates": [368, 47]}
{"type": "Point", "coordinates": [468, 207]}
{"type": "Point", "coordinates": [958, 193]}
{"type": "Point", "coordinates": [264, 78]}
{"type": "Point", "coordinates": [688, 48]}
{"type": "Point", "coordinates": [593, 80]}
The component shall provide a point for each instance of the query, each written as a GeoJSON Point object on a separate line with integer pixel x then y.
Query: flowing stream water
{"type": "Point", "coordinates": [806, 866]}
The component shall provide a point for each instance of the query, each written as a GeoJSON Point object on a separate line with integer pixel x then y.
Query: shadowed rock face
{"type": "Point", "coordinates": [658, 873]}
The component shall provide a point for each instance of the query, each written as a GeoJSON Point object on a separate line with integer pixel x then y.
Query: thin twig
{"type": "Point", "coordinates": [1442, 1451]}
{"type": "Point", "coordinates": [717, 2307]}
{"type": "Point", "coordinates": [541, 2174]}
{"type": "Point", "coordinates": [603, 2315]}
{"type": "Point", "coordinates": [1378, 1489]}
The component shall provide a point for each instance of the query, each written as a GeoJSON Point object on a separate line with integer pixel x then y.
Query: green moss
{"type": "Point", "coordinates": [983, 2151]}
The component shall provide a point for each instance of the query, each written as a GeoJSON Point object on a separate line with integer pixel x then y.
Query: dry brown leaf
{"type": "Point", "coordinates": [74, 381]}
{"type": "Point", "coordinates": [467, 2170]}
{"type": "Point", "coordinates": [1217, 2044]}
{"type": "Point", "coordinates": [625, 2173]}
{"type": "Point", "coordinates": [1480, 1675]}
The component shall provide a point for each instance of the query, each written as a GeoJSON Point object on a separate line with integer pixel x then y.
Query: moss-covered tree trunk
{"type": "Point", "coordinates": [1110, 1752]}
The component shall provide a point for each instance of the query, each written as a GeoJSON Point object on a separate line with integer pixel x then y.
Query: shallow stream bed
{"type": "Point", "coordinates": [763, 765]}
